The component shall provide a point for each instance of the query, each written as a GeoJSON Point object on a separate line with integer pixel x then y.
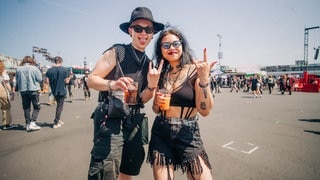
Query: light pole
{"type": "Point", "coordinates": [306, 41]}
{"type": "Point", "coordinates": [219, 53]}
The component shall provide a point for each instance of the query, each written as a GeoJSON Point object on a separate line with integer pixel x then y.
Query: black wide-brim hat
{"type": "Point", "coordinates": [141, 13]}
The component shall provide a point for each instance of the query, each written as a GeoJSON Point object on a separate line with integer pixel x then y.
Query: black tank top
{"type": "Point", "coordinates": [130, 65]}
{"type": "Point", "coordinates": [184, 96]}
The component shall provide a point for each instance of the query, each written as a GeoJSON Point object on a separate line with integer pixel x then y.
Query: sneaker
{"type": "Point", "coordinates": [61, 122]}
{"type": "Point", "coordinates": [55, 126]}
{"type": "Point", "coordinates": [33, 127]}
{"type": "Point", "coordinates": [7, 127]}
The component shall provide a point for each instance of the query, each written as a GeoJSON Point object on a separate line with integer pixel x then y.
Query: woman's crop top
{"type": "Point", "coordinates": [185, 94]}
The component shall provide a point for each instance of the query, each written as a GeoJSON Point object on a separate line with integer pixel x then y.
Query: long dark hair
{"type": "Point", "coordinates": [187, 53]}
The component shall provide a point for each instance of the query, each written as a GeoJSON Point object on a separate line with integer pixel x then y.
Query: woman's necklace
{"type": "Point", "coordinates": [172, 80]}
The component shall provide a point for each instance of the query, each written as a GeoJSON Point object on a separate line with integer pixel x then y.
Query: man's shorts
{"type": "Point", "coordinates": [133, 155]}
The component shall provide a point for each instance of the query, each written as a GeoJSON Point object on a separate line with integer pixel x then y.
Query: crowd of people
{"type": "Point", "coordinates": [29, 83]}
{"type": "Point", "coordinates": [255, 84]}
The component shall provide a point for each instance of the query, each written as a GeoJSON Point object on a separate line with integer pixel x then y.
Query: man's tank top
{"type": "Point", "coordinates": [130, 65]}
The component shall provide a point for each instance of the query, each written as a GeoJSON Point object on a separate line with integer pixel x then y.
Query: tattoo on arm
{"type": "Point", "coordinates": [205, 93]}
{"type": "Point", "coordinates": [203, 105]}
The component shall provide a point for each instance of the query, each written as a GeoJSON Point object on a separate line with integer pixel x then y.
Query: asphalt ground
{"type": "Point", "coordinates": [273, 137]}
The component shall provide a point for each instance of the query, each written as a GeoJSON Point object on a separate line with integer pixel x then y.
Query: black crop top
{"type": "Point", "coordinates": [184, 96]}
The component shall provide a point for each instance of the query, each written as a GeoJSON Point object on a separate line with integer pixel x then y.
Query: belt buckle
{"type": "Point", "coordinates": [174, 120]}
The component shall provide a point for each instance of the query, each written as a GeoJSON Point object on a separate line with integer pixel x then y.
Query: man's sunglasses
{"type": "Point", "coordinates": [139, 29]}
{"type": "Point", "coordinates": [174, 44]}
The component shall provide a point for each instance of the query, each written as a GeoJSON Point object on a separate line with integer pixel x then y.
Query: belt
{"type": "Point", "coordinates": [184, 121]}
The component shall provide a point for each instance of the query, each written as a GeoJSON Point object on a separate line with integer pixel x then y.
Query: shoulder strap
{"type": "Point", "coordinates": [120, 52]}
{"type": "Point", "coordinates": [118, 63]}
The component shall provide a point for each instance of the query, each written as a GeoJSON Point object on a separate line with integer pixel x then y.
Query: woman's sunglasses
{"type": "Point", "coordinates": [139, 29]}
{"type": "Point", "coordinates": [174, 44]}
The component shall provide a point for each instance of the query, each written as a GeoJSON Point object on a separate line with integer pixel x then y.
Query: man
{"type": "Point", "coordinates": [112, 152]}
{"type": "Point", "coordinates": [71, 85]}
{"type": "Point", "coordinates": [58, 77]}
{"type": "Point", "coordinates": [86, 89]}
{"type": "Point", "coordinates": [28, 78]}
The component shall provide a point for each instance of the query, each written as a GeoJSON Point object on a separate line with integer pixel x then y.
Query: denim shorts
{"type": "Point", "coordinates": [178, 143]}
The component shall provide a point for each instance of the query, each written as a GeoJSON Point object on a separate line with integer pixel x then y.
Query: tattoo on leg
{"type": "Point", "coordinates": [203, 105]}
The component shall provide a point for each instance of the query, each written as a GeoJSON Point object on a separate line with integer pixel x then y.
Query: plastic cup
{"type": "Point", "coordinates": [130, 95]}
{"type": "Point", "coordinates": [167, 97]}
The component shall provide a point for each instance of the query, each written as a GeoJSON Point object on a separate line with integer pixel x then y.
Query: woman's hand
{"type": "Point", "coordinates": [203, 67]}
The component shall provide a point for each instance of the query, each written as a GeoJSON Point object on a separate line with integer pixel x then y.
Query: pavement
{"type": "Point", "coordinates": [273, 137]}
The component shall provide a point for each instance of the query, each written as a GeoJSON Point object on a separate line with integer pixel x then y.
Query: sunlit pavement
{"type": "Point", "coordinates": [273, 137]}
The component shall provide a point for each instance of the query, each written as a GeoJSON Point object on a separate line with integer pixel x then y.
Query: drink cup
{"type": "Point", "coordinates": [166, 97]}
{"type": "Point", "coordinates": [130, 95]}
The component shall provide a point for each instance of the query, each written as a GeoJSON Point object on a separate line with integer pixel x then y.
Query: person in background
{"type": "Point", "coordinates": [175, 136]}
{"type": "Point", "coordinates": [254, 85]}
{"type": "Point", "coordinates": [28, 78]}
{"type": "Point", "coordinates": [288, 82]}
{"type": "Point", "coordinates": [271, 83]}
{"type": "Point", "coordinates": [13, 83]}
{"type": "Point", "coordinates": [58, 77]}
{"type": "Point", "coordinates": [112, 152]}
{"type": "Point", "coordinates": [71, 85]}
{"type": "Point", "coordinates": [6, 94]}
{"type": "Point", "coordinates": [219, 84]}
{"type": "Point", "coordinates": [234, 83]}
{"type": "Point", "coordinates": [86, 89]}
{"type": "Point", "coordinates": [259, 86]}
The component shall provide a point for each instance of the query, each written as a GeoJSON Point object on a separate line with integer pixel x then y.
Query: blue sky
{"type": "Point", "coordinates": [254, 32]}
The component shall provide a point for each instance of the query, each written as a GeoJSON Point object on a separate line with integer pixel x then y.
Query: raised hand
{"type": "Point", "coordinates": [203, 67]}
{"type": "Point", "coordinates": [154, 74]}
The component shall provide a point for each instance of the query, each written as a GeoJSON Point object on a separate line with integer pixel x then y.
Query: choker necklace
{"type": "Point", "coordinates": [172, 81]}
{"type": "Point", "coordinates": [178, 67]}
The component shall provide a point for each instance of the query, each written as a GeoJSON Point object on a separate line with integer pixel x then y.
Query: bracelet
{"type": "Point", "coordinates": [151, 89]}
{"type": "Point", "coordinates": [109, 85]}
{"type": "Point", "coordinates": [203, 85]}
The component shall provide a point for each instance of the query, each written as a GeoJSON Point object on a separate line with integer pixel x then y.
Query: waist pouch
{"type": "Point", "coordinates": [117, 109]}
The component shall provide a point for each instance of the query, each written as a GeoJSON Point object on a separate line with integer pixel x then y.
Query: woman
{"type": "Point", "coordinates": [5, 96]}
{"type": "Point", "coordinates": [175, 136]}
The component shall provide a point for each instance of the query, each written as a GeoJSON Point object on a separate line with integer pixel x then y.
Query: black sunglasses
{"type": "Point", "coordinates": [174, 44]}
{"type": "Point", "coordinates": [139, 29]}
